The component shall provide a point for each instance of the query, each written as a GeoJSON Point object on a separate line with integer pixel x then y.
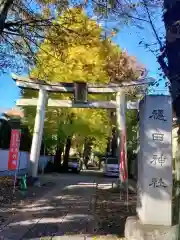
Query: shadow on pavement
{"type": "Point", "coordinates": [74, 208]}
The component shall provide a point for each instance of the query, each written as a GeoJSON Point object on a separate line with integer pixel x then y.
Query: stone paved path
{"type": "Point", "coordinates": [74, 209]}
{"type": "Point", "coordinates": [66, 210]}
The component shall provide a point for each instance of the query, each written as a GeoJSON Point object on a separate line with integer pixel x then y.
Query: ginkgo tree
{"type": "Point", "coordinates": [83, 56]}
{"type": "Point", "coordinates": [80, 56]}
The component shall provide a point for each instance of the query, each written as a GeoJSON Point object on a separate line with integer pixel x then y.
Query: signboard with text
{"type": "Point", "coordinates": [14, 149]}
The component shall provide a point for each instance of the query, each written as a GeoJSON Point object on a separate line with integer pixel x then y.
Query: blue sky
{"type": "Point", "coordinates": [127, 38]}
{"type": "Point", "coordinates": [9, 93]}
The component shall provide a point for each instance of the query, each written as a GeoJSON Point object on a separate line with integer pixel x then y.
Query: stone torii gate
{"type": "Point", "coordinates": [79, 89]}
{"type": "Point", "coordinates": [155, 155]}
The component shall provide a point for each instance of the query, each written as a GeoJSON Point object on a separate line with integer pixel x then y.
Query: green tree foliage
{"type": "Point", "coordinates": [131, 129]}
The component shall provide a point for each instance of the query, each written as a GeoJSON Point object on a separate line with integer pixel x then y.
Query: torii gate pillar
{"type": "Point", "coordinates": [38, 133]}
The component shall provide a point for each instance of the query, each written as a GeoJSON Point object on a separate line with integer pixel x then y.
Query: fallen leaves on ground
{"type": "Point", "coordinates": [10, 201]}
{"type": "Point", "coordinates": [111, 212]}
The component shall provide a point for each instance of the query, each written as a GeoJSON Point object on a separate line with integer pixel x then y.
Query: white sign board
{"type": "Point", "coordinates": [155, 161]}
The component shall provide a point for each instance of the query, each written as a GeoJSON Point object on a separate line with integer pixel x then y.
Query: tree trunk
{"type": "Point", "coordinates": [108, 148]}
{"type": "Point", "coordinates": [58, 158]}
{"type": "Point", "coordinates": [66, 154]}
{"type": "Point", "coordinates": [171, 21]}
{"type": "Point", "coordinates": [113, 138]}
{"type": "Point", "coordinates": [87, 150]}
{"type": "Point", "coordinates": [4, 9]}
{"type": "Point", "coordinates": [114, 143]}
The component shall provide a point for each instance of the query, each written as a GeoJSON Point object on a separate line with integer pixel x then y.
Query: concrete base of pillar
{"type": "Point", "coordinates": [135, 230]}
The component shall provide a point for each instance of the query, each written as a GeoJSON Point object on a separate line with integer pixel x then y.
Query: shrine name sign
{"type": "Point", "coordinates": [154, 204]}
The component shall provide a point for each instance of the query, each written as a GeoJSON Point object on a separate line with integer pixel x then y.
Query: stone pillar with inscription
{"type": "Point", "coordinates": [154, 205]}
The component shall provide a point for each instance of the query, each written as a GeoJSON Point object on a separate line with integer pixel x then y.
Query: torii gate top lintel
{"type": "Point", "coordinates": [27, 82]}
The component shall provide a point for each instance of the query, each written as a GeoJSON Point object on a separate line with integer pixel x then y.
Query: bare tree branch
{"type": "Point", "coordinates": [4, 9]}
{"type": "Point", "coordinates": [152, 25]}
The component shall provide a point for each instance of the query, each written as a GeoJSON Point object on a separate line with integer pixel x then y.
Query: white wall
{"type": "Point", "coordinates": [23, 161]}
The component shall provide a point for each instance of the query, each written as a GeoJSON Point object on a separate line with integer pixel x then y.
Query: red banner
{"type": "Point", "coordinates": [123, 167]}
{"type": "Point", "coordinates": [14, 149]}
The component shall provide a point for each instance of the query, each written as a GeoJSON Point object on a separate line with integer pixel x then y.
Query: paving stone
{"type": "Point", "coordinates": [68, 214]}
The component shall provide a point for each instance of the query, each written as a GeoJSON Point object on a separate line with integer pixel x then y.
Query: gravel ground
{"type": "Point", "coordinates": [111, 213]}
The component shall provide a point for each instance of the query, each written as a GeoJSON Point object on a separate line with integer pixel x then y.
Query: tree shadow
{"type": "Point", "coordinates": [72, 211]}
